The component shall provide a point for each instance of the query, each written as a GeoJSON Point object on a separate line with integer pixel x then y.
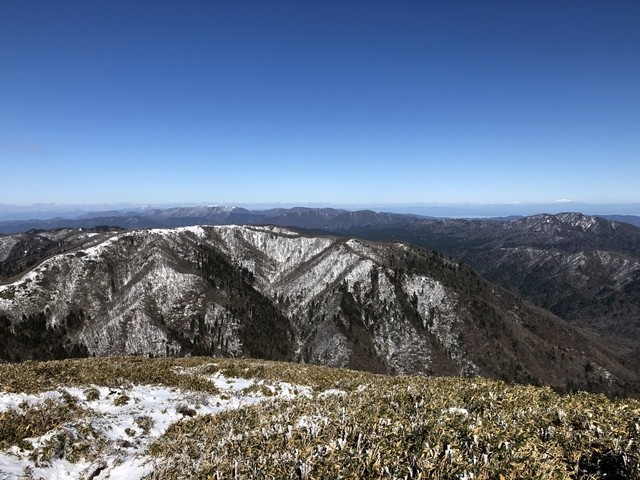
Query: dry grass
{"type": "Point", "coordinates": [363, 426]}
{"type": "Point", "coordinates": [72, 436]}
{"type": "Point", "coordinates": [413, 428]}
{"type": "Point", "coordinates": [317, 377]}
{"type": "Point", "coordinates": [35, 377]}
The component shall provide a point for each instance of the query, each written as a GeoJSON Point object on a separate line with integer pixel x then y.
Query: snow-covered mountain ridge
{"type": "Point", "coordinates": [585, 269]}
{"type": "Point", "coordinates": [266, 291]}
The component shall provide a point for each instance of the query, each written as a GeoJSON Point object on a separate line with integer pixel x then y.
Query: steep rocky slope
{"type": "Point", "coordinates": [21, 251]}
{"type": "Point", "coordinates": [584, 269]}
{"type": "Point", "coordinates": [273, 293]}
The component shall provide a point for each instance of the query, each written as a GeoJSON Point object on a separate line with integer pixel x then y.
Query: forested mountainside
{"type": "Point", "coordinates": [584, 269]}
{"type": "Point", "coordinates": [270, 292]}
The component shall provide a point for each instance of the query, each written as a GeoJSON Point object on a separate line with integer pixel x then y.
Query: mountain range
{"type": "Point", "coordinates": [271, 292]}
{"type": "Point", "coordinates": [585, 270]}
{"type": "Point", "coordinates": [215, 215]}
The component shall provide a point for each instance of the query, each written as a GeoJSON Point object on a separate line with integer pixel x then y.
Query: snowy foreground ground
{"type": "Point", "coordinates": [223, 418]}
{"type": "Point", "coordinates": [127, 420]}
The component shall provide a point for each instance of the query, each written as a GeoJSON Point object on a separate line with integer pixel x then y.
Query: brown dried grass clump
{"type": "Point", "coordinates": [407, 427]}
{"type": "Point", "coordinates": [115, 372]}
{"type": "Point", "coordinates": [352, 425]}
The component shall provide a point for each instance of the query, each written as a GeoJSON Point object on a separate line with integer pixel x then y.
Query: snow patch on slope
{"type": "Point", "coordinates": [197, 230]}
{"type": "Point", "coordinates": [434, 305]}
{"type": "Point", "coordinates": [269, 252]}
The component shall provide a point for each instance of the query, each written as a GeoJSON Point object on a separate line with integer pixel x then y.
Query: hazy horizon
{"type": "Point", "coordinates": [333, 103]}
{"type": "Point", "coordinates": [461, 210]}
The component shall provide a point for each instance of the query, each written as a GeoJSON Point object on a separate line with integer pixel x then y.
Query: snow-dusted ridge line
{"type": "Point", "coordinates": [304, 269]}
{"type": "Point", "coordinates": [267, 291]}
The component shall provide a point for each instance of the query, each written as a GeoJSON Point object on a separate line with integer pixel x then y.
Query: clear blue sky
{"type": "Point", "coordinates": [326, 101]}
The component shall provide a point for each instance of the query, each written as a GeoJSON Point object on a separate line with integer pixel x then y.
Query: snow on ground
{"type": "Point", "coordinates": [94, 251]}
{"type": "Point", "coordinates": [283, 250]}
{"type": "Point", "coordinates": [172, 232]}
{"type": "Point", "coordinates": [125, 421]}
{"type": "Point", "coordinates": [332, 392]}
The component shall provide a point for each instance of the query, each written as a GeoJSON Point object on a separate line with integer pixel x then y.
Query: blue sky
{"type": "Point", "coordinates": [329, 102]}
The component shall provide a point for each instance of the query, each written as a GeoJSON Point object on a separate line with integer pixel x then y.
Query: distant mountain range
{"type": "Point", "coordinates": [217, 215]}
{"type": "Point", "coordinates": [302, 217]}
{"type": "Point", "coordinates": [463, 210]}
